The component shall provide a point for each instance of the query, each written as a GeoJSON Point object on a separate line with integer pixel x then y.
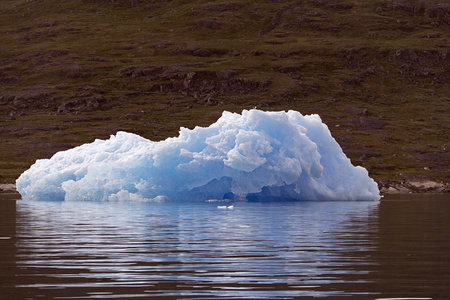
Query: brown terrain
{"type": "Point", "coordinates": [376, 71]}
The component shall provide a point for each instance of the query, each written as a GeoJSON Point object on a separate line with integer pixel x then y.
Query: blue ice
{"type": "Point", "coordinates": [255, 155]}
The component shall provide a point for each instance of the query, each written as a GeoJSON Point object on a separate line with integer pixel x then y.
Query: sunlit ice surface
{"type": "Point", "coordinates": [255, 155]}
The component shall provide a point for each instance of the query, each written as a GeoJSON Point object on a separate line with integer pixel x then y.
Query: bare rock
{"type": "Point", "coordinates": [33, 97]}
{"type": "Point", "coordinates": [433, 9]}
{"type": "Point", "coordinates": [395, 190]}
{"type": "Point", "coordinates": [7, 188]}
{"type": "Point", "coordinates": [81, 103]}
{"type": "Point", "coordinates": [406, 5]}
{"type": "Point", "coordinates": [204, 84]}
{"type": "Point", "coordinates": [438, 10]}
{"type": "Point", "coordinates": [417, 186]}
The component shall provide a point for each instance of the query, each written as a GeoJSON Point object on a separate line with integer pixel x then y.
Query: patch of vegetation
{"type": "Point", "coordinates": [376, 71]}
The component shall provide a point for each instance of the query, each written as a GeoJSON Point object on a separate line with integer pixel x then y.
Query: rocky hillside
{"type": "Point", "coordinates": [377, 72]}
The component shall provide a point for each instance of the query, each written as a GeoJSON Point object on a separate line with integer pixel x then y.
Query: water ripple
{"type": "Point", "coordinates": [196, 251]}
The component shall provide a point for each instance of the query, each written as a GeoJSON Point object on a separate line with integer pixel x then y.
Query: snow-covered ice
{"type": "Point", "coordinates": [255, 155]}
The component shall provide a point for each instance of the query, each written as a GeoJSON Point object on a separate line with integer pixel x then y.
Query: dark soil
{"type": "Point", "coordinates": [377, 72]}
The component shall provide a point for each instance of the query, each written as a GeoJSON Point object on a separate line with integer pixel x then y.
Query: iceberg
{"type": "Point", "coordinates": [252, 156]}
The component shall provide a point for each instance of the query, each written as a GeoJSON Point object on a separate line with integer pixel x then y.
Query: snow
{"type": "Point", "coordinates": [255, 155]}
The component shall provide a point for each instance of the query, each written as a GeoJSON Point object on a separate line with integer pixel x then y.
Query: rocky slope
{"type": "Point", "coordinates": [376, 71]}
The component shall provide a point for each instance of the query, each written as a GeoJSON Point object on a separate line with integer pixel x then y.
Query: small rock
{"type": "Point", "coordinates": [8, 188]}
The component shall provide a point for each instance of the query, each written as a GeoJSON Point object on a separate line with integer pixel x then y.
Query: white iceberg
{"type": "Point", "coordinates": [255, 155]}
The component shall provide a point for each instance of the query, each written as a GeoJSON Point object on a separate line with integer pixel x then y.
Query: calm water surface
{"type": "Point", "coordinates": [396, 248]}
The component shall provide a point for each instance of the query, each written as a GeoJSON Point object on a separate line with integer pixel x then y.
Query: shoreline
{"type": "Point", "coordinates": [386, 187]}
{"type": "Point", "coordinates": [8, 188]}
{"type": "Point", "coordinates": [413, 187]}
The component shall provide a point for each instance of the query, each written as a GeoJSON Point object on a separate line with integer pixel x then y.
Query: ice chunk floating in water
{"type": "Point", "coordinates": [255, 155]}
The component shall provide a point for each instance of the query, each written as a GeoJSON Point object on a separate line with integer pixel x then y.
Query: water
{"type": "Point", "coordinates": [396, 248]}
